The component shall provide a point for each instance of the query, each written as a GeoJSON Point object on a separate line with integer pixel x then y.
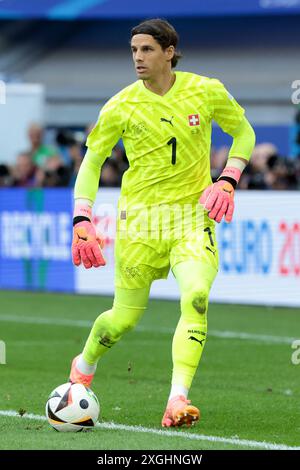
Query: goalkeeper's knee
{"type": "Point", "coordinates": [194, 303]}
{"type": "Point", "coordinates": [110, 326]}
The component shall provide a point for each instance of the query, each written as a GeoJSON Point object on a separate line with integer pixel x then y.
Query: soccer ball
{"type": "Point", "coordinates": [72, 408]}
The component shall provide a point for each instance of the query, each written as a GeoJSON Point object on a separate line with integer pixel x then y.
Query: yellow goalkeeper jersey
{"type": "Point", "coordinates": [167, 138]}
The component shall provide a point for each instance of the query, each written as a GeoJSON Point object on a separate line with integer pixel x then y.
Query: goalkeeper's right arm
{"type": "Point", "coordinates": [87, 244]}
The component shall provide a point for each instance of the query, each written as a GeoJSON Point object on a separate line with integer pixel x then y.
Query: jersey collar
{"type": "Point", "coordinates": [167, 95]}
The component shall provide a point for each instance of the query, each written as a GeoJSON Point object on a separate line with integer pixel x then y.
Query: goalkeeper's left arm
{"type": "Point", "coordinates": [218, 198]}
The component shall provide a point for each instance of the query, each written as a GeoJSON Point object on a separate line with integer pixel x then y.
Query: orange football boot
{"type": "Point", "coordinates": [78, 377]}
{"type": "Point", "coordinates": [180, 412]}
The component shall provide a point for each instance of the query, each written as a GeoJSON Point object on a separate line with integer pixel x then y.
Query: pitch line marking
{"type": "Point", "coordinates": [271, 339]}
{"type": "Point", "coordinates": [182, 434]}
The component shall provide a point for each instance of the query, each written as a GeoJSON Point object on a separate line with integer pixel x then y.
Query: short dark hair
{"type": "Point", "coordinates": [163, 32]}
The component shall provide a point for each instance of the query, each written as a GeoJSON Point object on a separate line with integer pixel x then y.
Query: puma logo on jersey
{"type": "Point", "coordinates": [167, 120]}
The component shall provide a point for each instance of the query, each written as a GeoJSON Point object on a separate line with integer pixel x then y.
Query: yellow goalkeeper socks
{"type": "Point", "coordinates": [129, 305]}
{"type": "Point", "coordinates": [195, 280]}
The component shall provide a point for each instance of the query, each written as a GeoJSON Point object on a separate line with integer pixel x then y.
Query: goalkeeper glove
{"type": "Point", "coordinates": [87, 244]}
{"type": "Point", "coordinates": [218, 198]}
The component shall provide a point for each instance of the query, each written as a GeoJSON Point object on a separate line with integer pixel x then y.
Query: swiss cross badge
{"type": "Point", "coordinates": [194, 120]}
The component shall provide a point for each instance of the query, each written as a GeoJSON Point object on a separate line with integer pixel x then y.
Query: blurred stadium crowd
{"type": "Point", "coordinates": [57, 165]}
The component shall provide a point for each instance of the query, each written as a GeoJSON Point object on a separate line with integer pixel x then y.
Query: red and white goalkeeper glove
{"type": "Point", "coordinates": [218, 198]}
{"type": "Point", "coordinates": [87, 243]}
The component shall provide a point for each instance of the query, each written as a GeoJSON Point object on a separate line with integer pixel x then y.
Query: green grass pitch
{"type": "Point", "coordinates": [246, 386]}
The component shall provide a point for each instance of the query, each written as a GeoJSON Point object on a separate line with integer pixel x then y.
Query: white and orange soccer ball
{"type": "Point", "coordinates": [72, 408]}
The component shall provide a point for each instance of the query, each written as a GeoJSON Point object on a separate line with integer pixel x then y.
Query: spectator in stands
{"type": "Point", "coordinates": [258, 174]}
{"type": "Point", "coordinates": [282, 173]}
{"type": "Point", "coordinates": [38, 150]}
{"type": "Point", "coordinates": [5, 176]}
{"type": "Point", "coordinates": [44, 166]}
{"type": "Point", "coordinates": [55, 173]}
{"type": "Point", "coordinates": [24, 171]}
{"type": "Point", "coordinates": [65, 140]}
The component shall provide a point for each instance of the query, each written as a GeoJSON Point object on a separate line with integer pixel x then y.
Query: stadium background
{"type": "Point", "coordinates": [59, 62]}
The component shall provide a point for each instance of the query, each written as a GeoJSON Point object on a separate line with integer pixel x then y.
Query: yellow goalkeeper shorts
{"type": "Point", "coordinates": [150, 242]}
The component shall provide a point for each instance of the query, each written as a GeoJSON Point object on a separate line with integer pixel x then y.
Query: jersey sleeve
{"type": "Point", "coordinates": [107, 131]}
{"type": "Point", "coordinates": [225, 110]}
{"type": "Point", "coordinates": [87, 181]}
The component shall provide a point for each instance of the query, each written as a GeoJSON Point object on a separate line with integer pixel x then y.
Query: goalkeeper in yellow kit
{"type": "Point", "coordinates": [168, 204]}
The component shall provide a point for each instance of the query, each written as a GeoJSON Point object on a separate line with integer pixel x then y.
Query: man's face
{"type": "Point", "coordinates": [35, 134]}
{"type": "Point", "coordinates": [149, 58]}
